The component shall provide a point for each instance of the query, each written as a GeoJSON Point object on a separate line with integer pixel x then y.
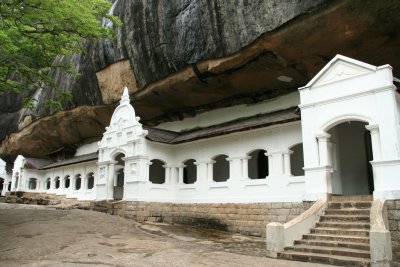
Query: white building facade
{"type": "Point", "coordinates": [5, 179]}
{"type": "Point", "coordinates": [346, 141]}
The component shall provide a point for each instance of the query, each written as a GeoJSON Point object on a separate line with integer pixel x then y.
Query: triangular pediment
{"type": "Point", "coordinates": [340, 68]}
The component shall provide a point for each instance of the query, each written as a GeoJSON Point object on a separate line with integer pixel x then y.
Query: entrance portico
{"type": "Point", "coordinates": [349, 90]}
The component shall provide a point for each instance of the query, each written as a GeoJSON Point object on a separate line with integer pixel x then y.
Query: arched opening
{"type": "Point", "coordinates": [258, 167]}
{"type": "Point", "coordinates": [119, 178]}
{"type": "Point", "coordinates": [67, 181]}
{"type": "Point", "coordinates": [57, 182]}
{"type": "Point", "coordinates": [32, 183]}
{"type": "Point", "coordinates": [78, 181]}
{"type": "Point", "coordinates": [221, 168]}
{"type": "Point", "coordinates": [297, 160]}
{"type": "Point", "coordinates": [189, 172]}
{"type": "Point", "coordinates": [9, 186]}
{"type": "Point", "coordinates": [48, 183]}
{"type": "Point", "coordinates": [1, 184]}
{"type": "Point", "coordinates": [351, 153]}
{"type": "Point", "coordinates": [157, 172]}
{"type": "Point", "coordinates": [90, 180]}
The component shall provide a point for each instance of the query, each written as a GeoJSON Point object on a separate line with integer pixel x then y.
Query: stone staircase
{"type": "Point", "coordinates": [341, 237]}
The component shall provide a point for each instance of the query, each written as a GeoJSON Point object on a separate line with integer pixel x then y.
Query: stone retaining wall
{"type": "Point", "coordinates": [393, 208]}
{"type": "Point", "coordinates": [248, 219]}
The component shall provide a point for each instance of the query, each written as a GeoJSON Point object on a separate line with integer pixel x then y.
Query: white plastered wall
{"type": "Point", "coordinates": [139, 152]}
{"type": "Point", "coordinates": [5, 177]}
{"type": "Point", "coordinates": [41, 177]}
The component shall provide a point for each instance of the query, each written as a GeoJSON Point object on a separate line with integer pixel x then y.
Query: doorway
{"type": "Point", "coordinates": [119, 177]}
{"type": "Point", "coordinates": [351, 153]}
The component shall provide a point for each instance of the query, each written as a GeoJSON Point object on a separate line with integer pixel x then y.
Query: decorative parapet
{"type": "Point", "coordinates": [379, 235]}
{"type": "Point", "coordinates": [124, 133]}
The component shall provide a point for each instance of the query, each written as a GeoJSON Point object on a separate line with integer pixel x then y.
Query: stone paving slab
{"type": "Point", "coordinates": [41, 236]}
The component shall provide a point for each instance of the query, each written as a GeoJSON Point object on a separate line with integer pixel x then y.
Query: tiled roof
{"type": "Point", "coordinates": [77, 159]}
{"type": "Point", "coordinates": [243, 124]}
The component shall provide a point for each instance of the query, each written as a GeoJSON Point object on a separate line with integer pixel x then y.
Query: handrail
{"type": "Point", "coordinates": [297, 227]}
{"type": "Point", "coordinates": [281, 235]}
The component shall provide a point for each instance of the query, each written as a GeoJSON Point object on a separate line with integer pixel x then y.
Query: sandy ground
{"type": "Point", "coordinates": [41, 236]}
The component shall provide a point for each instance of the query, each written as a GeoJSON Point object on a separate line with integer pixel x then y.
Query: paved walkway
{"type": "Point", "coordinates": [42, 236]}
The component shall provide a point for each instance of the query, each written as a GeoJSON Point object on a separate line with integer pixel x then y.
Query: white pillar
{"type": "Point", "coordinates": [110, 180]}
{"type": "Point", "coordinates": [171, 176]}
{"type": "Point", "coordinates": [275, 163]}
{"type": "Point", "coordinates": [323, 149]}
{"type": "Point", "coordinates": [245, 167]}
{"type": "Point", "coordinates": [375, 140]}
{"type": "Point", "coordinates": [270, 163]}
{"type": "Point", "coordinates": [235, 168]}
{"type": "Point", "coordinates": [167, 174]}
{"type": "Point", "coordinates": [180, 174]}
{"type": "Point", "coordinates": [174, 175]}
{"type": "Point", "coordinates": [2, 189]}
{"type": "Point", "coordinates": [286, 163]}
{"type": "Point", "coordinates": [72, 180]}
{"type": "Point", "coordinates": [210, 171]}
{"type": "Point", "coordinates": [83, 183]}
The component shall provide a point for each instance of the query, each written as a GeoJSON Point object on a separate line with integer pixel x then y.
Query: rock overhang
{"type": "Point", "coordinates": [275, 63]}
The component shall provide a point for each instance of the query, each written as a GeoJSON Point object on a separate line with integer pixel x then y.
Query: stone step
{"type": "Point", "coordinates": [344, 218]}
{"type": "Point", "coordinates": [340, 232]}
{"type": "Point", "coordinates": [350, 204]}
{"type": "Point", "coordinates": [356, 253]}
{"type": "Point", "coordinates": [337, 238]}
{"type": "Point", "coordinates": [323, 258]}
{"type": "Point", "coordinates": [351, 198]}
{"type": "Point", "coordinates": [327, 243]}
{"type": "Point", "coordinates": [347, 211]}
{"type": "Point", "coordinates": [344, 225]}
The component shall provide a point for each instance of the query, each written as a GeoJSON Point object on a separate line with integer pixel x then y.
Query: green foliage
{"type": "Point", "coordinates": [34, 32]}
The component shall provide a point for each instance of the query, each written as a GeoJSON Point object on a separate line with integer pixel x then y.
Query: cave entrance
{"type": "Point", "coordinates": [2, 185]}
{"type": "Point", "coordinates": [351, 155]}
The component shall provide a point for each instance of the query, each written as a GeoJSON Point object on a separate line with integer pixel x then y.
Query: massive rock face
{"type": "Point", "coordinates": [182, 57]}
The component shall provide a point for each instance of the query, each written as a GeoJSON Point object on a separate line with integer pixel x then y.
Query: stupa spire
{"type": "Point", "coordinates": [125, 96]}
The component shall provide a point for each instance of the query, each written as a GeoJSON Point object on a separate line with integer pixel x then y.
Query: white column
{"type": "Point", "coordinates": [19, 181]}
{"type": "Point", "coordinates": [270, 163]}
{"type": "Point", "coordinates": [275, 163]}
{"type": "Point", "coordinates": [210, 170]}
{"type": "Point", "coordinates": [167, 174]}
{"type": "Point", "coordinates": [180, 174]}
{"type": "Point", "coordinates": [3, 190]}
{"type": "Point", "coordinates": [286, 163]}
{"type": "Point", "coordinates": [375, 140]}
{"type": "Point", "coordinates": [72, 181]}
{"type": "Point", "coordinates": [245, 167]}
{"type": "Point", "coordinates": [110, 180]}
{"type": "Point", "coordinates": [323, 149]}
{"type": "Point", "coordinates": [235, 168]}
{"type": "Point", "coordinates": [83, 182]}
{"type": "Point", "coordinates": [174, 175]}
